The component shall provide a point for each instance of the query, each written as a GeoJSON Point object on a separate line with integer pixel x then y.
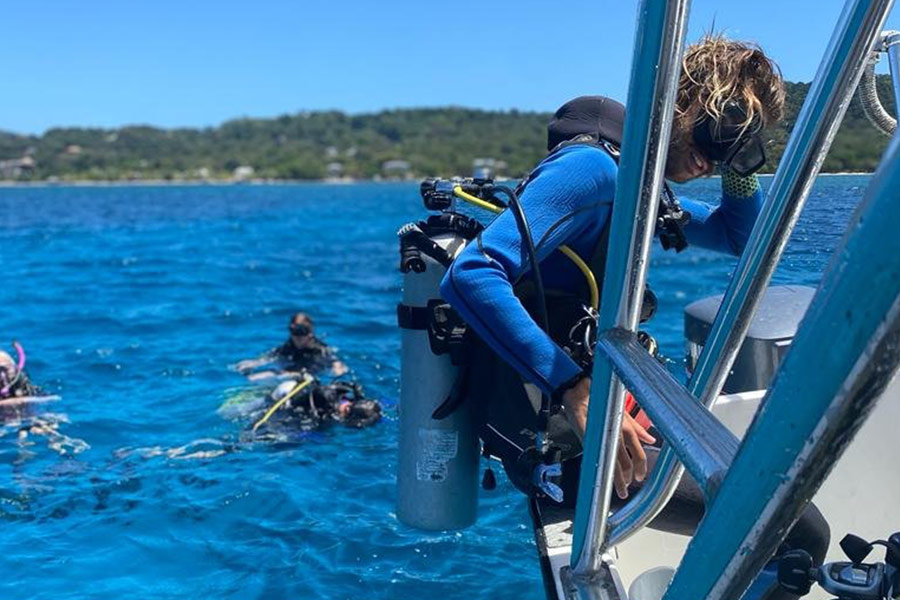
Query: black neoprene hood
{"type": "Point", "coordinates": [592, 115]}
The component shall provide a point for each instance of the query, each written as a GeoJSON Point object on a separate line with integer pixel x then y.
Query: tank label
{"type": "Point", "coordinates": [438, 447]}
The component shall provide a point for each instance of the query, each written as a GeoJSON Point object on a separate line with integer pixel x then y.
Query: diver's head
{"type": "Point", "coordinates": [7, 368]}
{"type": "Point", "coordinates": [359, 413]}
{"type": "Point", "coordinates": [300, 327]}
{"type": "Point", "coordinates": [729, 92]}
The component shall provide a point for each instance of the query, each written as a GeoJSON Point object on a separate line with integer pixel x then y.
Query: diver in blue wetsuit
{"type": "Point", "coordinates": [728, 93]}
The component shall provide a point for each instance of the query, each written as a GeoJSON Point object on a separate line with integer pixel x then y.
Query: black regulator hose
{"type": "Point", "coordinates": [525, 232]}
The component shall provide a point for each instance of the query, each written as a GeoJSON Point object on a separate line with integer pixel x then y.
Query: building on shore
{"type": "Point", "coordinates": [243, 173]}
{"type": "Point", "coordinates": [17, 168]}
{"type": "Point", "coordinates": [487, 168]}
{"type": "Point", "coordinates": [396, 169]}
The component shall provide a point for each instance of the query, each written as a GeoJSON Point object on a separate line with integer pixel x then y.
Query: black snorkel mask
{"type": "Point", "coordinates": [299, 330]}
{"type": "Point", "coordinates": [730, 142]}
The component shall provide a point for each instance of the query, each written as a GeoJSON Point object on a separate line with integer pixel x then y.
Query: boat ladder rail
{"type": "Point", "coordinates": [756, 488]}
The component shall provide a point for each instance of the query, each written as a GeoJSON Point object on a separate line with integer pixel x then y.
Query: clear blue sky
{"type": "Point", "coordinates": [196, 62]}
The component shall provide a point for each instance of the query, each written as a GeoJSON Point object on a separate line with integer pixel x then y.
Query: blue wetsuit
{"type": "Point", "coordinates": [577, 182]}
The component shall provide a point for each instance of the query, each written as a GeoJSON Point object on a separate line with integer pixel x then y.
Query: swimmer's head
{"type": "Point", "coordinates": [7, 368]}
{"type": "Point", "coordinates": [360, 413]}
{"type": "Point", "coordinates": [300, 326]}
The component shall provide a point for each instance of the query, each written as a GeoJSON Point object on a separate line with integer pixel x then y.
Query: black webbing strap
{"type": "Point", "coordinates": [413, 317]}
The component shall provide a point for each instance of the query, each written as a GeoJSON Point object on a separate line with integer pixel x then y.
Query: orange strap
{"type": "Point", "coordinates": [632, 408]}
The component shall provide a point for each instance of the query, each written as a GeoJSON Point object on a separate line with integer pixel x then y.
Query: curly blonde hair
{"type": "Point", "coordinates": [716, 71]}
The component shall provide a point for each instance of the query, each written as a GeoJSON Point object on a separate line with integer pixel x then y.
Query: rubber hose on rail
{"type": "Point", "coordinates": [871, 105]}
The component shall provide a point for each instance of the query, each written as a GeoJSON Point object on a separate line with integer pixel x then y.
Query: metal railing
{"type": "Point", "coordinates": [708, 446]}
{"type": "Point", "coordinates": [651, 105]}
{"type": "Point", "coordinates": [891, 46]}
{"type": "Point", "coordinates": [811, 138]}
{"type": "Point", "coordinates": [691, 432]}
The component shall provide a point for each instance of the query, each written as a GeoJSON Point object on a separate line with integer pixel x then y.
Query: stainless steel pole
{"type": "Point", "coordinates": [651, 104]}
{"type": "Point", "coordinates": [819, 119]}
{"type": "Point", "coordinates": [891, 44]}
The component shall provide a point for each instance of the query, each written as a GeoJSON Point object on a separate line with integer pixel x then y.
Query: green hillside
{"type": "Point", "coordinates": [433, 141]}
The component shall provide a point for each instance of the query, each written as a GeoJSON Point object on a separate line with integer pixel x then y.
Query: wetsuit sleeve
{"type": "Point", "coordinates": [726, 227]}
{"type": "Point", "coordinates": [329, 358]}
{"type": "Point", "coordinates": [479, 284]}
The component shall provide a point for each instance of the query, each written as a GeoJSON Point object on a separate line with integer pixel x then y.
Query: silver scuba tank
{"type": "Point", "coordinates": [437, 477]}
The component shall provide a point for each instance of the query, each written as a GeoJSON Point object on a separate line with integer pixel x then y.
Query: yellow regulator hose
{"type": "Point", "coordinates": [297, 388]}
{"type": "Point", "coordinates": [573, 256]}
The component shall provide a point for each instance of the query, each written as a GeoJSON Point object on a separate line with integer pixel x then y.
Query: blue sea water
{"type": "Point", "coordinates": [133, 301]}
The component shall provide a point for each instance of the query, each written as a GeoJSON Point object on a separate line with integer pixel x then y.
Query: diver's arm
{"type": "Point", "coordinates": [631, 460]}
{"type": "Point", "coordinates": [327, 360]}
{"type": "Point", "coordinates": [263, 375]}
{"type": "Point", "coordinates": [245, 366]}
{"type": "Point", "coordinates": [479, 284]}
{"type": "Point", "coordinates": [726, 227]}
{"type": "Point", "coordinates": [332, 362]}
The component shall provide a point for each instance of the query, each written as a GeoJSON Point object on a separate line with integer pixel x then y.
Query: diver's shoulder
{"type": "Point", "coordinates": [588, 160]}
{"type": "Point", "coordinates": [586, 153]}
{"type": "Point", "coordinates": [588, 163]}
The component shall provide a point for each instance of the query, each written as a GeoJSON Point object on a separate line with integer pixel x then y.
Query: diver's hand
{"type": "Point", "coordinates": [338, 368]}
{"type": "Point", "coordinates": [295, 375]}
{"type": "Point", "coordinates": [244, 366]}
{"type": "Point", "coordinates": [261, 375]}
{"type": "Point", "coordinates": [631, 460]}
{"type": "Point", "coordinates": [575, 401]}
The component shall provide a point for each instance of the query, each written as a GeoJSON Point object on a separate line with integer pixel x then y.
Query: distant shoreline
{"type": "Point", "coordinates": [189, 182]}
{"type": "Point", "coordinates": [256, 182]}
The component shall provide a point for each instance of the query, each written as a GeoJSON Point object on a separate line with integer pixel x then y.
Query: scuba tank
{"type": "Point", "coordinates": [437, 478]}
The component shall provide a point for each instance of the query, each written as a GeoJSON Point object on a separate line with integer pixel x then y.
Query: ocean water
{"type": "Point", "coordinates": [133, 301]}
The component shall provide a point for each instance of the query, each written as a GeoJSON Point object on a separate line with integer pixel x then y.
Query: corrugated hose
{"type": "Point", "coordinates": [868, 95]}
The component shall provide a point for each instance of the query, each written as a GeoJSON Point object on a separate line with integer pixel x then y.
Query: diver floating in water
{"type": "Point", "coordinates": [306, 404]}
{"type": "Point", "coordinates": [301, 352]}
{"type": "Point", "coordinates": [17, 395]}
{"type": "Point", "coordinates": [14, 381]}
{"type": "Point", "coordinates": [290, 412]}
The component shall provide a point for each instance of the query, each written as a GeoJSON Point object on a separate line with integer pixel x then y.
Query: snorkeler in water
{"type": "Point", "coordinates": [14, 381]}
{"type": "Point", "coordinates": [18, 395]}
{"type": "Point", "coordinates": [301, 352]}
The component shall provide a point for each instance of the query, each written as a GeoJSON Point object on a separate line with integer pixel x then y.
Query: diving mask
{"type": "Point", "coordinates": [730, 141]}
{"type": "Point", "coordinates": [299, 330]}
